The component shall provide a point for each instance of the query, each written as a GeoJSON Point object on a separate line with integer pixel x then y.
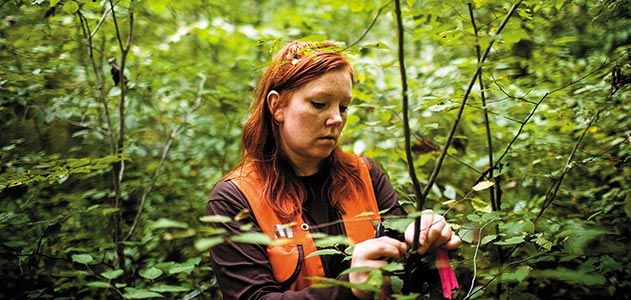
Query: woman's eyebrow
{"type": "Point", "coordinates": [319, 94]}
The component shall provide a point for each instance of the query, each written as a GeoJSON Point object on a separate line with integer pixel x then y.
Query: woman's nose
{"type": "Point", "coordinates": [335, 118]}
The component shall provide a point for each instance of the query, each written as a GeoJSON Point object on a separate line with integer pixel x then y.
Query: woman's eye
{"type": "Point", "coordinates": [318, 105]}
{"type": "Point", "coordinates": [343, 109]}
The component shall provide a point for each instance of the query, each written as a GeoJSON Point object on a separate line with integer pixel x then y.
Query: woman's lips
{"type": "Point", "coordinates": [328, 140]}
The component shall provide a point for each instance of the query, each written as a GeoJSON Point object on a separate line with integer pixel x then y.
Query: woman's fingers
{"type": "Point", "coordinates": [453, 242]}
{"type": "Point", "coordinates": [373, 253]}
{"type": "Point", "coordinates": [435, 232]}
{"type": "Point", "coordinates": [379, 248]}
{"type": "Point", "coordinates": [427, 219]}
{"type": "Point", "coordinates": [444, 237]}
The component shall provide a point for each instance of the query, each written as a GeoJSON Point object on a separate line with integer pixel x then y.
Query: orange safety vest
{"type": "Point", "coordinates": [289, 261]}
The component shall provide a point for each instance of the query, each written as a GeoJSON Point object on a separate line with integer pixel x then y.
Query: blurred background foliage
{"type": "Point", "coordinates": [70, 228]}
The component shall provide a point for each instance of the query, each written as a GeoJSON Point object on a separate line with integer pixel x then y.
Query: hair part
{"type": "Point", "coordinates": [296, 64]}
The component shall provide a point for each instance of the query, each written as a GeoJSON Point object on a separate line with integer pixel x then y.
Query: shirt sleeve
{"type": "Point", "coordinates": [387, 198]}
{"type": "Point", "coordinates": [243, 271]}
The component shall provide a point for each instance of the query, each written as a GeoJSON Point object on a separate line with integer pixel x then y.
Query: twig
{"type": "Point", "coordinates": [165, 152]}
{"type": "Point", "coordinates": [548, 200]}
{"type": "Point", "coordinates": [509, 96]}
{"type": "Point", "coordinates": [406, 124]}
{"type": "Point", "coordinates": [566, 168]}
{"type": "Point", "coordinates": [494, 113]}
{"type": "Point", "coordinates": [532, 112]}
{"type": "Point", "coordinates": [500, 272]}
{"type": "Point", "coordinates": [484, 108]}
{"type": "Point", "coordinates": [458, 160]}
{"type": "Point", "coordinates": [100, 22]}
{"type": "Point", "coordinates": [475, 257]}
{"type": "Point", "coordinates": [119, 167]}
{"type": "Point", "coordinates": [99, 81]}
{"type": "Point", "coordinates": [374, 20]}
{"type": "Point", "coordinates": [452, 132]}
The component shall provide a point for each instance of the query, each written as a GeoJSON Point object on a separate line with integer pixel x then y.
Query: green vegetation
{"type": "Point", "coordinates": [117, 123]}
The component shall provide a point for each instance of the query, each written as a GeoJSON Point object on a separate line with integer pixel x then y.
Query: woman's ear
{"type": "Point", "coordinates": [276, 106]}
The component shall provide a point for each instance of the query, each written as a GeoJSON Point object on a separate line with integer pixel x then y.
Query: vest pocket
{"type": "Point", "coordinates": [286, 262]}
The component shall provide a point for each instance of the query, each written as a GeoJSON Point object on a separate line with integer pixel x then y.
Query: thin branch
{"type": "Point", "coordinates": [494, 113]}
{"type": "Point", "coordinates": [89, 126]}
{"type": "Point", "coordinates": [119, 167]}
{"type": "Point", "coordinates": [566, 168]}
{"type": "Point", "coordinates": [165, 152]}
{"type": "Point", "coordinates": [532, 112]}
{"type": "Point", "coordinates": [100, 22]}
{"type": "Point", "coordinates": [552, 194]}
{"type": "Point", "coordinates": [374, 20]}
{"type": "Point", "coordinates": [406, 124]}
{"type": "Point", "coordinates": [509, 96]}
{"type": "Point", "coordinates": [487, 127]}
{"type": "Point", "coordinates": [456, 122]}
{"type": "Point", "coordinates": [475, 257]}
{"type": "Point", "coordinates": [501, 271]}
{"type": "Point", "coordinates": [99, 81]}
{"type": "Point", "coordinates": [458, 160]}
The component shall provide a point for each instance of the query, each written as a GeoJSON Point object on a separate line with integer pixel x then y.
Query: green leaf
{"type": "Point", "coordinates": [518, 275]}
{"type": "Point", "coordinates": [331, 241]}
{"type": "Point", "coordinates": [483, 185]}
{"type": "Point", "coordinates": [357, 269]}
{"type": "Point", "coordinates": [164, 223]}
{"type": "Point", "coordinates": [571, 275]}
{"type": "Point", "coordinates": [182, 268]}
{"type": "Point", "coordinates": [151, 273]}
{"type": "Point", "coordinates": [328, 282]}
{"type": "Point", "coordinates": [169, 288]}
{"type": "Point", "coordinates": [256, 238]}
{"type": "Point", "coordinates": [577, 237]}
{"type": "Point", "coordinates": [99, 284]}
{"type": "Point", "coordinates": [324, 252]}
{"type": "Point", "coordinates": [397, 285]}
{"type": "Point", "coordinates": [466, 235]}
{"type": "Point", "coordinates": [132, 293]}
{"type": "Point", "coordinates": [215, 219]}
{"type": "Point", "coordinates": [488, 238]}
{"type": "Point", "coordinates": [481, 205]}
{"type": "Point", "coordinates": [112, 274]}
{"type": "Point", "coordinates": [375, 278]}
{"type": "Point", "coordinates": [518, 227]}
{"type": "Point", "coordinates": [545, 244]}
{"type": "Point", "coordinates": [194, 260]}
{"type": "Point", "coordinates": [207, 243]}
{"type": "Point", "coordinates": [393, 266]}
{"type": "Point", "coordinates": [71, 7]}
{"type": "Point", "coordinates": [82, 258]}
{"type": "Point", "coordinates": [54, 2]}
{"type": "Point", "coordinates": [511, 241]}
{"type": "Point", "coordinates": [398, 224]}
{"type": "Point", "coordinates": [109, 210]}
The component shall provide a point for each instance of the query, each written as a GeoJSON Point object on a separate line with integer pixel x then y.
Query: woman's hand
{"type": "Point", "coordinates": [373, 253]}
{"type": "Point", "coordinates": [435, 233]}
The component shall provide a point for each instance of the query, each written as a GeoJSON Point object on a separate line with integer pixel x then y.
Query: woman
{"type": "Point", "coordinates": [295, 180]}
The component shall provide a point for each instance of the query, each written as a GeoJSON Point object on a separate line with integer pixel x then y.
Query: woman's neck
{"type": "Point", "coordinates": [306, 171]}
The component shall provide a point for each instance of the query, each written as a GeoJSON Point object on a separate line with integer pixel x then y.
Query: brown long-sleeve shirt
{"type": "Point", "coordinates": [243, 270]}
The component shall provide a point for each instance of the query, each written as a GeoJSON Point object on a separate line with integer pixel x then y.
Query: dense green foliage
{"type": "Point", "coordinates": [93, 209]}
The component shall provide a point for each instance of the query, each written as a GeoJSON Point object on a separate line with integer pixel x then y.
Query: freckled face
{"type": "Point", "coordinates": [312, 119]}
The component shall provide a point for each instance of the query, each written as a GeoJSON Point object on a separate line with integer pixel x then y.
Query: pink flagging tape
{"type": "Point", "coordinates": [447, 275]}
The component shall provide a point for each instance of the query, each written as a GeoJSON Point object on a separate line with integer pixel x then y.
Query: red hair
{"type": "Point", "coordinates": [291, 67]}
